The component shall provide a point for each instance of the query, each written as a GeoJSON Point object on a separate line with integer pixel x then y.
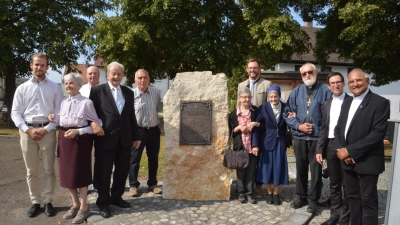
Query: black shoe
{"type": "Point", "coordinates": [326, 203]}
{"type": "Point", "coordinates": [242, 198]}
{"type": "Point", "coordinates": [298, 203]}
{"type": "Point", "coordinates": [121, 203]}
{"type": "Point", "coordinates": [312, 207]}
{"type": "Point", "coordinates": [105, 212]}
{"type": "Point", "coordinates": [34, 210]}
{"type": "Point", "coordinates": [270, 199]}
{"type": "Point", "coordinates": [344, 223]}
{"type": "Point", "coordinates": [251, 199]}
{"type": "Point", "coordinates": [48, 209]}
{"type": "Point", "coordinates": [331, 221]}
{"type": "Point", "coordinates": [277, 200]}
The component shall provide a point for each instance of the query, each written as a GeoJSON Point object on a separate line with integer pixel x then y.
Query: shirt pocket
{"type": "Point", "coordinates": [76, 118]}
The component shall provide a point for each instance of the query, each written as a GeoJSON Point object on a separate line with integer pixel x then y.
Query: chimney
{"type": "Point", "coordinates": [308, 23]}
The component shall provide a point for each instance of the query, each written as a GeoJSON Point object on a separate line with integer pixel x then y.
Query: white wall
{"type": "Point", "coordinates": [162, 85]}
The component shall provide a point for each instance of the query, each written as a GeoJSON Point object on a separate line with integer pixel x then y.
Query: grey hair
{"type": "Point", "coordinates": [122, 67]}
{"type": "Point", "coordinates": [244, 90]}
{"type": "Point", "coordinates": [142, 70]}
{"type": "Point", "coordinates": [76, 76]}
{"type": "Point", "coordinates": [358, 69]}
{"type": "Point", "coordinates": [313, 66]}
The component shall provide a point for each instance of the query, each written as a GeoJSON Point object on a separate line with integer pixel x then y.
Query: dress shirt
{"type": "Point", "coordinates": [76, 111]}
{"type": "Point", "coordinates": [245, 120]}
{"type": "Point", "coordinates": [121, 97]}
{"type": "Point", "coordinates": [147, 106]}
{"type": "Point", "coordinates": [85, 90]}
{"type": "Point", "coordinates": [334, 113]}
{"type": "Point", "coordinates": [353, 108]}
{"type": "Point", "coordinates": [34, 102]}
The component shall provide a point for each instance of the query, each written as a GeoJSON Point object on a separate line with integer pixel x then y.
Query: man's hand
{"type": "Point", "coordinates": [254, 151]}
{"type": "Point", "coordinates": [31, 132]}
{"type": "Point", "coordinates": [97, 129]}
{"type": "Point", "coordinates": [51, 118]}
{"type": "Point", "coordinates": [291, 115]}
{"type": "Point", "coordinates": [71, 133]}
{"type": "Point", "coordinates": [252, 125]}
{"type": "Point", "coordinates": [349, 160]}
{"type": "Point", "coordinates": [306, 128]}
{"type": "Point", "coordinates": [342, 153]}
{"type": "Point", "coordinates": [136, 144]}
{"type": "Point", "coordinates": [319, 158]}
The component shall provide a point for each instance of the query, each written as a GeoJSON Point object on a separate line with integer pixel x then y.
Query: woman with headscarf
{"type": "Point", "coordinates": [272, 167]}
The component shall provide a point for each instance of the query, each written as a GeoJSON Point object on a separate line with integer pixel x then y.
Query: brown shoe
{"type": "Point", "coordinates": [81, 216]}
{"type": "Point", "coordinates": [133, 192]}
{"type": "Point", "coordinates": [71, 213]}
{"type": "Point", "coordinates": [258, 190]}
{"type": "Point", "coordinates": [155, 189]}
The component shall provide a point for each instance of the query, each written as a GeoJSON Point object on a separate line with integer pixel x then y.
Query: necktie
{"type": "Point", "coordinates": [117, 99]}
{"type": "Point", "coordinates": [252, 91]}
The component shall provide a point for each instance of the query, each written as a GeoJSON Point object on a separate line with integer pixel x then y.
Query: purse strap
{"type": "Point", "coordinates": [229, 140]}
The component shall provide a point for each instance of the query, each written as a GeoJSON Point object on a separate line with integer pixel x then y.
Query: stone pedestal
{"type": "Point", "coordinates": [195, 172]}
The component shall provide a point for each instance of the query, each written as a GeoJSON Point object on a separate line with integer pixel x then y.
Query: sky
{"type": "Point", "coordinates": [56, 77]}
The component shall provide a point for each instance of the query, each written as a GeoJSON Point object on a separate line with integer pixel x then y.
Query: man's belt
{"type": "Point", "coordinates": [147, 128]}
{"type": "Point", "coordinates": [37, 124]}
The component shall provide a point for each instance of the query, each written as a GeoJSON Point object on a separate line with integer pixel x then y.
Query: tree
{"type": "Point", "coordinates": [366, 31]}
{"type": "Point", "coordinates": [52, 27]}
{"type": "Point", "coordinates": [166, 37]}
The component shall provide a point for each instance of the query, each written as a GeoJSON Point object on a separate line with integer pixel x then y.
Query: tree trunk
{"type": "Point", "coordinates": [10, 90]}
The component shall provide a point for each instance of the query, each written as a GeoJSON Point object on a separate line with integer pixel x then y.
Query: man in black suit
{"type": "Point", "coordinates": [359, 137]}
{"type": "Point", "coordinates": [114, 106]}
{"type": "Point", "coordinates": [326, 148]}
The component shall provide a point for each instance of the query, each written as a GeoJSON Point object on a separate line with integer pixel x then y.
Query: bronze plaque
{"type": "Point", "coordinates": [195, 126]}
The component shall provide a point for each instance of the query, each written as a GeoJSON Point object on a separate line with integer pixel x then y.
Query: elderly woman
{"type": "Point", "coordinates": [272, 166]}
{"type": "Point", "coordinates": [241, 123]}
{"type": "Point", "coordinates": [75, 146]}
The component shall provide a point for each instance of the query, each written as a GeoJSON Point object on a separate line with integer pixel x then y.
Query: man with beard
{"type": "Point", "coordinates": [306, 102]}
{"type": "Point", "coordinates": [33, 101]}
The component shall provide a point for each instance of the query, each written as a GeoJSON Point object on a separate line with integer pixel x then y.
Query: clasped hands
{"type": "Point", "coordinates": [245, 129]}
{"type": "Point", "coordinates": [36, 133]}
{"type": "Point", "coordinates": [71, 133]}
{"type": "Point", "coordinates": [342, 154]}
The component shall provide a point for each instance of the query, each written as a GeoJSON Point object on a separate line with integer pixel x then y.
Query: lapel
{"type": "Point", "coordinates": [111, 97]}
{"type": "Point", "coordinates": [328, 111]}
{"type": "Point", "coordinates": [125, 95]}
{"type": "Point", "coordinates": [360, 108]}
{"type": "Point", "coordinates": [280, 121]}
{"type": "Point", "coordinates": [271, 116]}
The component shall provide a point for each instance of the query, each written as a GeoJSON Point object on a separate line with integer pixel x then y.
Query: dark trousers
{"type": "Point", "coordinates": [105, 159]}
{"type": "Point", "coordinates": [363, 197]}
{"type": "Point", "coordinates": [339, 204]}
{"type": "Point", "coordinates": [305, 152]}
{"type": "Point", "coordinates": [246, 177]}
{"type": "Point", "coordinates": [151, 140]}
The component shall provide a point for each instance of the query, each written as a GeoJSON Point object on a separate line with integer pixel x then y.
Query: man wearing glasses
{"type": "Point", "coordinates": [305, 102]}
{"type": "Point", "coordinates": [359, 136]}
{"type": "Point", "coordinates": [326, 148]}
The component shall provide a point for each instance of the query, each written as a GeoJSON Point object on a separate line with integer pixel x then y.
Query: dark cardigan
{"type": "Point", "coordinates": [233, 122]}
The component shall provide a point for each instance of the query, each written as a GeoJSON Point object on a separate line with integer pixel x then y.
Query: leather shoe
{"type": "Point", "coordinates": [251, 199]}
{"type": "Point", "coordinates": [312, 207]}
{"type": "Point", "coordinates": [34, 210]}
{"type": "Point", "coordinates": [105, 212]}
{"type": "Point", "coordinates": [242, 198]}
{"type": "Point", "coordinates": [48, 209]}
{"type": "Point", "coordinates": [331, 221]}
{"type": "Point", "coordinates": [121, 203]}
{"type": "Point", "coordinates": [298, 203]}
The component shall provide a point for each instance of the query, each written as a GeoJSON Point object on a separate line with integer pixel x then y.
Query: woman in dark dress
{"type": "Point", "coordinates": [75, 146]}
{"type": "Point", "coordinates": [272, 166]}
{"type": "Point", "coordinates": [241, 123]}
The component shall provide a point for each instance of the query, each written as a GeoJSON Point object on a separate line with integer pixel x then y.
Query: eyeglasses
{"type": "Point", "coordinates": [359, 80]}
{"type": "Point", "coordinates": [310, 72]}
{"type": "Point", "coordinates": [336, 83]}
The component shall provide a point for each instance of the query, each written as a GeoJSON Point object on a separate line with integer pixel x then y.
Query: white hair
{"type": "Point", "coordinates": [301, 68]}
{"type": "Point", "coordinates": [116, 64]}
{"type": "Point", "coordinates": [76, 76]}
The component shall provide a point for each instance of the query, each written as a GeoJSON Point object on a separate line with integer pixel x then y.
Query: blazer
{"type": "Point", "coordinates": [260, 90]}
{"type": "Point", "coordinates": [117, 128]}
{"type": "Point", "coordinates": [364, 141]}
{"type": "Point", "coordinates": [322, 144]}
{"type": "Point", "coordinates": [265, 139]}
{"type": "Point", "coordinates": [233, 122]}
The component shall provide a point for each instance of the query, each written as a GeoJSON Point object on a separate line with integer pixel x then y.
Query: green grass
{"type": "Point", "coordinates": [143, 170]}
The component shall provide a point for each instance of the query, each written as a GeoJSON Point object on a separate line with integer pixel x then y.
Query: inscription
{"type": "Point", "coordinates": [195, 124]}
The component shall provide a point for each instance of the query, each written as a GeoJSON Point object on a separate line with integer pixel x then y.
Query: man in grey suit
{"type": "Point", "coordinates": [115, 107]}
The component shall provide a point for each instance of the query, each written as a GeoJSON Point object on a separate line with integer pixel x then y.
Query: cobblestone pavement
{"type": "Point", "coordinates": [149, 208]}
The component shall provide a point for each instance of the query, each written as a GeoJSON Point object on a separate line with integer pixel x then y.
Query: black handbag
{"type": "Point", "coordinates": [235, 159]}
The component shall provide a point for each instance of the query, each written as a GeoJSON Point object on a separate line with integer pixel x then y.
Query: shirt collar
{"type": "Point", "coordinates": [73, 98]}
{"type": "Point", "coordinates": [341, 97]}
{"type": "Point", "coordinates": [111, 87]}
{"type": "Point", "coordinates": [362, 96]}
{"type": "Point", "coordinates": [239, 112]}
{"type": "Point", "coordinates": [254, 81]}
{"type": "Point", "coordinates": [33, 80]}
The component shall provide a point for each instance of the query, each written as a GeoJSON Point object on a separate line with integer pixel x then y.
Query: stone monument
{"type": "Point", "coordinates": [194, 171]}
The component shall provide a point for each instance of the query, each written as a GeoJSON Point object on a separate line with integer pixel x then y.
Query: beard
{"type": "Point", "coordinates": [310, 82]}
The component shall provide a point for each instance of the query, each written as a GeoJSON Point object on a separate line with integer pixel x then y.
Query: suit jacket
{"type": "Point", "coordinates": [117, 128]}
{"type": "Point", "coordinates": [260, 90]}
{"type": "Point", "coordinates": [265, 139]}
{"type": "Point", "coordinates": [365, 134]}
{"type": "Point", "coordinates": [322, 144]}
{"type": "Point", "coordinates": [233, 122]}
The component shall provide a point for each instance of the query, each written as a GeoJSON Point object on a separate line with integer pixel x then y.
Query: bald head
{"type": "Point", "coordinates": [93, 75]}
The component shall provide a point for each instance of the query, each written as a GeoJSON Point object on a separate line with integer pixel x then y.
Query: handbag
{"type": "Point", "coordinates": [235, 159]}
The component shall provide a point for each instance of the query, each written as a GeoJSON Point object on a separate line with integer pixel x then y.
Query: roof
{"type": "Point", "coordinates": [82, 68]}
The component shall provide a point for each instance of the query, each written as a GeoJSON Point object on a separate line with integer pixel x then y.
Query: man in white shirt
{"type": "Point", "coordinates": [326, 148]}
{"type": "Point", "coordinates": [33, 101]}
{"type": "Point", "coordinates": [93, 76]}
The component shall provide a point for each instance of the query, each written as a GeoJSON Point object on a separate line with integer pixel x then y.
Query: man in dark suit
{"type": "Point", "coordinates": [359, 137]}
{"type": "Point", "coordinates": [114, 106]}
{"type": "Point", "coordinates": [326, 148]}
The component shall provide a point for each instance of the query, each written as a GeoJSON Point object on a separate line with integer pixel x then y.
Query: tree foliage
{"type": "Point", "coordinates": [54, 27]}
{"type": "Point", "coordinates": [366, 31]}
